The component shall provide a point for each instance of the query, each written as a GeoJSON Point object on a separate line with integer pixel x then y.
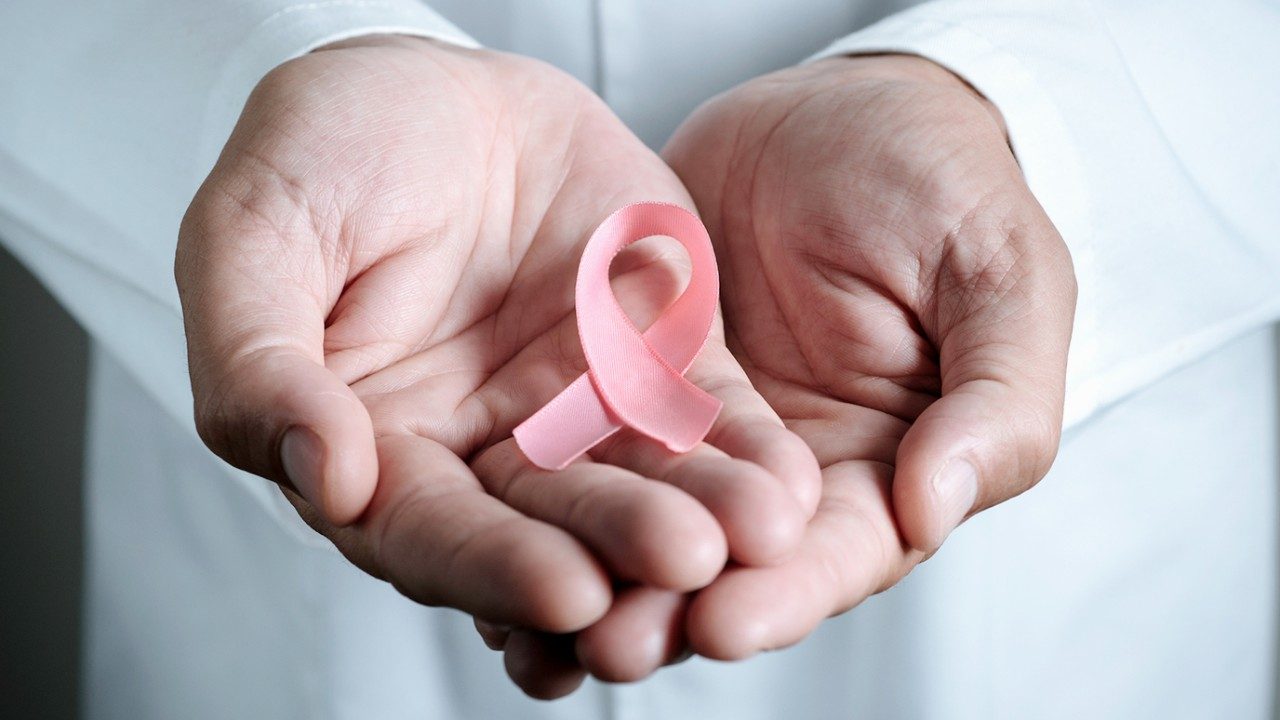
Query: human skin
{"type": "Point", "coordinates": [377, 286]}
{"type": "Point", "coordinates": [895, 291]}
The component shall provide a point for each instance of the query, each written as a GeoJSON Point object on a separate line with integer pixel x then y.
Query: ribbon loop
{"type": "Point", "coordinates": [634, 379]}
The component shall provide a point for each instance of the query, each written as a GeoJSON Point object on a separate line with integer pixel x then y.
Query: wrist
{"type": "Point", "coordinates": [916, 69]}
{"type": "Point", "coordinates": [384, 40]}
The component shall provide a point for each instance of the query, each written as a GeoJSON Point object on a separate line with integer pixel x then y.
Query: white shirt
{"type": "Point", "coordinates": [1146, 129]}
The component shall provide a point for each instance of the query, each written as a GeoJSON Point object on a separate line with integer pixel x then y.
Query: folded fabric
{"type": "Point", "coordinates": [634, 379]}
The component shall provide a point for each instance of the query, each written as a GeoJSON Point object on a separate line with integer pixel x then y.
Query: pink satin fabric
{"type": "Point", "coordinates": [634, 379]}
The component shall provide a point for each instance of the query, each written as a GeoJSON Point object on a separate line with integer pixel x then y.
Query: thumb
{"type": "Point", "coordinates": [264, 401]}
{"type": "Point", "coordinates": [995, 431]}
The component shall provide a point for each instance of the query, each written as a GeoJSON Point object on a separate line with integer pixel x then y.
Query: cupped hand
{"type": "Point", "coordinates": [895, 291]}
{"type": "Point", "coordinates": [377, 284]}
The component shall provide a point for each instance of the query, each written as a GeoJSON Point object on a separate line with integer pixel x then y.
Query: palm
{"type": "Point", "coordinates": [433, 206]}
{"type": "Point", "coordinates": [872, 233]}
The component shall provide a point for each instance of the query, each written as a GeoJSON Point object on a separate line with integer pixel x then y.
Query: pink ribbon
{"type": "Point", "coordinates": [633, 379]}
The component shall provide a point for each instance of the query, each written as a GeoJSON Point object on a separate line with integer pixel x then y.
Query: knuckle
{"type": "Point", "coordinates": [235, 432]}
{"type": "Point", "coordinates": [1037, 435]}
{"type": "Point", "coordinates": [391, 542]}
{"type": "Point", "coordinates": [214, 430]}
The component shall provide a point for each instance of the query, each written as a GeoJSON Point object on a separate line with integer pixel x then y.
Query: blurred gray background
{"type": "Point", "coordinates": [43, 356]}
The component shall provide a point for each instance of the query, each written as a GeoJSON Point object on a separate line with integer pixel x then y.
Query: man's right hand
{"type": "Point", "coordinates": [377, 283]}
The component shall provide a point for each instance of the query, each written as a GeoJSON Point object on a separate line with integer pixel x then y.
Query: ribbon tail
{"type": "Point", "coordinates": [571, 424]}
{"type": "Point", "coordinates": [692, 428]}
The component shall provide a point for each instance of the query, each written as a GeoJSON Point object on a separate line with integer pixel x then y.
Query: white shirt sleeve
{"type": "Point", "coordinates": [1148, 130]}
{"type": "Point", "coordinates": [111, 114]}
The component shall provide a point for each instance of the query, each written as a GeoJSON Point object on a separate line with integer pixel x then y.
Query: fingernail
{"type": "Point", "coordinates": [956, 487]}
{"type": "Point", "coordinates": [302, 454]}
